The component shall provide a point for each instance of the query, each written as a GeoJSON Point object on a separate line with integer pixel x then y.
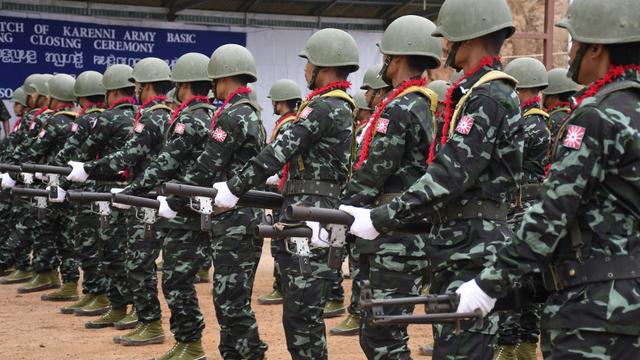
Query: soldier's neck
{"type": "Point", "coordinates": [403, 74]}
{"type": "Point", "coordinates": [326, 80]}
{"type": "Point", "coordinates": [475, 58]}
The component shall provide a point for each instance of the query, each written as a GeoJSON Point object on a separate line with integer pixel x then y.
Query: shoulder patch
{"type": "Point", "coordinates": [219, 135]}
{"type": "Point", "coordinates": [382, 125]}
{"type": "Point", "coordinates": [464, 125]}
{"type": "Point", "coordinates": [179, 129]}
{"type": "Point", "coordinates": [74, 127]}
{"type": "Point", "coordinates": [139, 127]}
{"type": "Point", "coordinates": [306, 112]}
{"type": "Point", "coordinates": [573, 137]}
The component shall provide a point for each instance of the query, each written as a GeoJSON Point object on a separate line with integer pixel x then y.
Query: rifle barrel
{"type": "Point", "coordinates": [46, 169]}
{"type": "Point", "coordinates": [270, 231]}
{"type": "Point", "coordinates": [137, 201]}
{"type": "Point", "coordinates": [87, 196]}
{"type": "Point", "coordinates": [324, 216]}
{"type": "Point", "coordinates": [29, 192]}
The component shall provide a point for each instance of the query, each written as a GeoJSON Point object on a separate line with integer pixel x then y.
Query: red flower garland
{"type": "Point", "coordinates": [178, 110]}
{"type": "Point", "coordinates": [37, 113]}
{"type": "Point", "coordinates": [529, 102]}
{"type": "Point", "coordinates": [62, 107]}
{"type": "Point", "coordinates": [378, 112]}
{"type": "Point", "coordinates": [448, 102]}
{"type": "Point", "coordinates": [279, 121]}
{"type": "Point", "coordinates": [128, 100]}
{"type": "Point", "coordinates": [241, 90]}
{"type": "Point", "coordinates": [160, 98]}
{"type": "Point", "coordinates": [285, 168]}
{"type": "Point", "coordinates": [89, 106]}
{"type": "Point", "coordinates": [613, 73]}
{"type": "Point", "coordinates": [559, 104]}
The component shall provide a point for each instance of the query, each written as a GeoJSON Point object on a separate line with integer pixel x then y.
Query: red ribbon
{"type": "Point", "coordinates": [241, 90]}
{"type": "Point", "coordinates": [89, 106]}
{"type": "Point", "coordinates": [178, 110]}
{"type": "Point", "coordinates": [613, 73]}
{"type": "Point", "coordinates": [529, 102]}
{"type": "Point", "coordinates": [559, 104]}
{"type": "Point", "coordinates": [127, 100]}
{"type": "Point", "coordinates": [36, 114]}
{"type": "Point", "coordinates": [158, 98]}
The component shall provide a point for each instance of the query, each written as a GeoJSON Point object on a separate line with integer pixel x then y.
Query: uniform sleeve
{"type": "Point", "coordinates": [573, 174]}
{"type": "Point", "coordinates": [44, 144]}
{"type": "Point", "coordinates": [386, 152]}
{"type": "Point", "coordinates": [306, 131]}
{"type": "Point", "coordinates": [454, 169]}
{"type": "Point", "coordinates": [99, 136]}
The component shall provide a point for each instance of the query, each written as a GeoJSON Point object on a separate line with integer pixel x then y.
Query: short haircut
{"type": "Point", "coordinates": [161, 87]}
{"type": "Point", "coordinates": [421, 63]}
{"type": "Point", "coordinates": [96, 99]}
{"type": "Point", "coordinates": [493, 42]}
{"type": "Point", "coordinates": [624, 54]}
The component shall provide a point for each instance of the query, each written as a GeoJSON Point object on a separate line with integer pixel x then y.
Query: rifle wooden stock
{"type": "Point", "coordinates": [87, 196]}
{"type": "Point", "coordinates": [137, 201]}
{"type": "Point", "coordinates": [46, 169]}
{"type": "Point", "coordinates": [29, 192]}
{"type": "Point", "coordinates": [270, 231]}
{"type": "Point", "coordinates": [253, 198]}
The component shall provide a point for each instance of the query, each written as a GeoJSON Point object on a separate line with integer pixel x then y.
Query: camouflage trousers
{"type": "Point", "coordinates": [356, 278]}
{"type": "Point", "coordinates": [277, 274]}
{"type": "Point", "coordinates": [183, 255]}
{"type": "Point", "coordinates": [114, 245]}
{"type": "Point", "coordinates": [15, 248]}
{"type": "Point", "coordinates": [588, 344]}
{"type": "Point", "coordinates": [520, 327]}
{"type": "Point", "coordinates": [390, 276]}
{"type": "Point", "coordinates": [84, 230]}
{"type": "Point", "coordinates": [55, 247]}
{"type": "Point", "coordinates": [143, 249]}
{"type": "Point", "coordinates": [236, 253]}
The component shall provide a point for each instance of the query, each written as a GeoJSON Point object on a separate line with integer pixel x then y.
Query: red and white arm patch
{"type": "Point", "coordinates": [305, 113]}
{"type": "Point", "coordinates": [139, 127]}
{"type": "Point", "coordinates": [464, 125]}
{"type": "Point", "coordinates": [179, 129]}
{"type": "Point", "coordinates": [574, 136]}
{"type": "Point", "coordinates": [382, 126]}
{"type": "Point", "coordinates": [219, 135]}
{"type": "Point", "coordinates": [74, 127]}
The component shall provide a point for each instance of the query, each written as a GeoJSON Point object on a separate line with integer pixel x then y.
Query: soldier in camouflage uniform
{"type": "Point", "coordinates": [557, 99]}
{"type": "Point", "coordinates": [393, 155]}
{"type": "Point", "coordinates": [363, 111]}
{"type": "Point", "coordinates": [471, 181]}
{"type": "Point", "coordinates": [141, 147]}
{"type": "Point", "coordinates": [109, 133]}
{"type": "Point", "coordinates": [286, 98]}
{"type": "Point", "coordinates": [584, 232]}
{"type": "Point", "coordinates": [317, 150]}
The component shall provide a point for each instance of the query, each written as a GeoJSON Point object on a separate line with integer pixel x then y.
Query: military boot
{"type": "Point", "coordinates": [505, 352]}
{"type": "Point", "coordinates": [349, 326]}
{"type": "Point", "coordinates": [128, 322]}
{"type": "Point", "coordinates": [426, 350]}
{"type": "Point", "coordinates": [85, 300]}
{"type": "Point", "coordinates": [147, 334]}
{"type": "Point", "coordinates": [526, 351]}
{"type": "Point", "coordinates": [17, 276]}
{"type": "Point", "coordinates": [273, 298]}
{"type": "Point", "coordinates": [185, 351]}
{"type": "Point", "coordinates": [5, 272]}
{"type": "Point", "coordinates": [333, 308]}
{"type": "Point", "coordinates": [41, 281]}
{"type": "Point", "coordinates": [100, 305]}
{"type": "Point", "coordinates": [139, 326]}
{"type": "Point", "coordinates": [68, 292]}
{"type": "Point", "coordinates": [202, 276]}
{"type": "Point", "coordinates": [111, 317]}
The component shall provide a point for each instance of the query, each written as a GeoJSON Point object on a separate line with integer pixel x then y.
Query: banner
{"type": "Point", "coordinates": [30, 45]}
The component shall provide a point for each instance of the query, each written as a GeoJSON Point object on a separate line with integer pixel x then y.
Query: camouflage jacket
{"type": "Point", "coordinates": [142, 145]}
{"type": "Point", "coordinates": [537, 142]}
{"type": "Point", "coordinates": [557, 117]}
{"type": "Point", "coordinates": [15, 137]}
{"type": "Point", "coordinates": [81, 129]}
{"type": "Point", "coordinates": [594, 185]}
{"type": "Point", "coordinates": [31, 128]}
{"type": "Point", "coordinates": [51, 138]}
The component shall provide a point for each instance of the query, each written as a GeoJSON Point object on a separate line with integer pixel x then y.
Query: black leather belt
{"type": "Point", "coordinates": [557, 277]}
{"type": "Point", "coordinates": [474, 209]}
{"type": "Point", "coordinates": [312, 187]}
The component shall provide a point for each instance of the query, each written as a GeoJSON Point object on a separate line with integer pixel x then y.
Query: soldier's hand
{"type": "Point", "coordinates": [273, 180]}
{"type": "Point", "coordinates": [472, 297]}
{"type": "Point", "coordinates": [117, 205]}
{"type": "Point", "coordinates": [7, 181]}
{"type": "Point", "coordinates": [225, 197]}
{"type": "Point", "coordinates": [60, 196]}
{"type": "Point", "coordinates": [362, 225]}
{"type": "Point", "coordinates": [40, 176]}
{"type": "Point", "coordinates": [165, 210]}
{"type": "Point", "coordinates": [77, 172]}
{"type": "Point", "coordinates": [320, 236]}
{"type": "Point", "coordinates": [27, 178]}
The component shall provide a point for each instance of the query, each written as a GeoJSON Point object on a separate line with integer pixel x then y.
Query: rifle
{"type": "Point", "coordinates": [147, 204]}
{"type": "Point", "coordinates": [99, 200]}
{"type": "Point", "coordinates": [53, 174]}
{"type": "Point", "coordinates": [10, 168]}
{"type": "Point", "coordinates": [38, 198]}
{"type": "Point", "coordinates": [299, 235]}
{"type": "Point", "coordinates": [201, 200]}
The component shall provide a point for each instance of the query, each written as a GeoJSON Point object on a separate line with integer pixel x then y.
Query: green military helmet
{"type": "Point", "coordinates": [284, 90]}
{"type": "Point", "coordinates": [172, 96]}
{"type": "Point", "coordinates": [372, 80]}
{"type": "Point", "coordinates": [150, 69]}
{"type": "Point", "coordinates": [602, 22]}
{"type": "Point", "coordinates": [232, 60]}
{"type": "Point", "coordinates": [61, 87]}
{"type": "Point", "coordinates": [190, 67]}
{"type": "Point", "coordinates": [461, 20]}
{"type": "Point", "coordinates": [411, 35]}
{"type": "Point", "coordinates": [89, 83]}
{"type": "Point", "coordinates": [440, 88]}
{"type": "Point", "coordinates": [456, 75]}
{"type": "Point", "coordinates": [117, 77]}
{"type": "Point", "coordinates": [19, 96]}
{"type": "Point", "coordinates": [361, 101]}
{"type": "Point", "coordinates": [559, 82]}
{"type": "Point", "coordinates": [40, 84]}
{"type": "Point", "coordinates": [529, 72]}
{"type": "Point", "coordinates": [27, 86]}
{"type": "Point", "coordinates": [331, 48]}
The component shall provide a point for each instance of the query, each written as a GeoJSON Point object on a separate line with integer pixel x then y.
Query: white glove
{"type": "Point", "coordinates": [40, 176]}
{"type": "Point", "coordinates": [61, 195]}
{"type": "Point", "coordinates": [27, 178]}
{"type": "Point", "coordinates": [225, 197]}
{"type": "Point", "coordinates": [117, 205]}
{"type": "Point", "coordinates": [273, 180]}
{"type": "Point", "coordinates": [7, 181]}
{"type": "Point", "coordinates": [320, 236]}
{"type": "Point", "coordinates": [165, 210]}
{"type": "Point", "coordinates": [362, 226]}
{"type": "Point", "coordinates": [472, 298]}
{"type": "Point", "coordinates": [77, 172]}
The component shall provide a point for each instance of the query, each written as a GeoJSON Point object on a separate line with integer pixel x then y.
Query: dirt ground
{"type": "Point", "coordinates": [35, 329]}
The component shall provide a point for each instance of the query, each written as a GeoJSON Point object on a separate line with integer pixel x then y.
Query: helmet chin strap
{"type": "Point", "coordinates": [451, 59]}
{"type": "Point", "coordinates": [383, 71]}
{"type": "Point", "coordinates": [574, 67]}
{"type": "Point", "coordinates": [314, 77]}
